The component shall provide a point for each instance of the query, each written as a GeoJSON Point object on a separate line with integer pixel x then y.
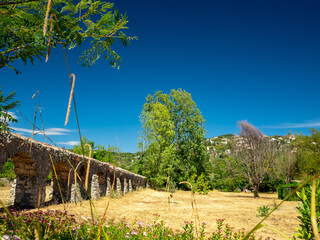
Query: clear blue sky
{"type": "Point", "coordinates": [253, 60]}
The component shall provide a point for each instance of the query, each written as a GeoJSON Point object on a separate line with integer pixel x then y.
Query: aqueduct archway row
{"type": "Point", "coordinates": [33, 162]}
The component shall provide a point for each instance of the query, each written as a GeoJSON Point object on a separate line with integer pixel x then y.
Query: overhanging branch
{"type": "Point", "coordinates": [17, 2]}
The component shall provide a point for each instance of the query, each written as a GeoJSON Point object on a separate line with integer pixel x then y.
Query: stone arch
{"type": "Point", "coordinates": [63, 175]}
{"type": "Point", "coordinates": [102, 183]}
{"type": "Point", "coordinates": [82, 174]}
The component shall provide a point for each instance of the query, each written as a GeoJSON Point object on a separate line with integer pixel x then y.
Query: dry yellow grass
{"type": "Point", "coordinates": [239, 210]}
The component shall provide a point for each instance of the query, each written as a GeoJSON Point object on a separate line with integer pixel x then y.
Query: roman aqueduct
{"type": "Point", "coordinates": [33, 161]}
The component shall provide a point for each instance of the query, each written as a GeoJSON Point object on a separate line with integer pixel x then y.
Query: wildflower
{"type": "Point", "coordinates": [144, 233]}
{"type": "Point", "coordinates": [133, 232]}
{"type": "Point", "coordinates": [186, 222]}
{"type": "Point", "coordinates": [127, 236]}
{"type": "Point", "coordinates": [140, 223]}
{"type": "Point", "coordinates": [148, 225]}
{"type": "Point", "coordinates": [5, 237]}
{"type": "Point", "coordinates": [224, 236]}
{"type": "Point", "coordinates": [204, 223]}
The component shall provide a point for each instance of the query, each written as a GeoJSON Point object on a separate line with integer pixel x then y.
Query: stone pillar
{"type": "Point", "coordinates": [30, 187]}
{"type": "Point", "coordinates": [108, 187]}
{"type": "Point", "coordinates": [75, 195]}
{"type": "Point", "coordinates": [12, 192]}
{"type": "Point", "coordinates": [130, 186]}
{"type": "Point", "coordinates": [51, 190]}
{"type": "Point", "coordinates": [95, 190]}
{"type": "Point", "coordinates": [125, 186]}
{"type": "Point", "coordinates": [118, 186]}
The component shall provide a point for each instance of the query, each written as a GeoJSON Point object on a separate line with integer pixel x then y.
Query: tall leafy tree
{"type": "Point", "coordinates": [173, 127]}
{"type": "Point", "coordinates": [28, 29]}
{"type": "Point", "coordinates": [6, 104]}
{"type": "Point", "coordinates": [155, 119]}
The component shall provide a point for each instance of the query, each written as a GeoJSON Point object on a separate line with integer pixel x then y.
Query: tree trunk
{"type": "Point", "coordinates": [255, 190]}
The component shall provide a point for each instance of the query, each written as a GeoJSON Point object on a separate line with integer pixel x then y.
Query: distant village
{"type": "Point", "coordinates": [223, 144]}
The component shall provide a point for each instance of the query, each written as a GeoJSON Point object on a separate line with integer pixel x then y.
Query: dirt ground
{"type": "Point", "coordinates": [238, 209]}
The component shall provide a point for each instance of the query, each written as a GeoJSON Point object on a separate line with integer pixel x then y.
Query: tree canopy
{"type": "Point", "coordinates": [6, 103]}
{"type": "Point", "coordinates": [97, 151]}
{"type": "Point", "coordinates": [28, 29]}
{"type": "Point", "coordinates": [172, 139]}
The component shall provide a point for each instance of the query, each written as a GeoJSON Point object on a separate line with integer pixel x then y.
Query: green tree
{"type": "Point", "coordinates": [155, 119]}
{"type": "Point", "coordinates": [80, 149]}
{"type": "Point", "coordinates": [106, 155]}
{"type": "Point", "coordinates": [175, 137]}
{"type": "Point", "coordinates": [28, 29]}
{"type": "Point", "coordinates": [6, 104]}
{"type": "Point", "coordinates": [97, 151]}
{"type": "Point", "coordinates": [308, 153]}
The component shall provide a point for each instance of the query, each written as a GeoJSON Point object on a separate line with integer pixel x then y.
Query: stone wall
{"type": "Point", "coordinates": [33, 161]}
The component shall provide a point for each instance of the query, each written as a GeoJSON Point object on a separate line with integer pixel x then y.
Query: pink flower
{"type": "Point", "coordinates": [134, 233]}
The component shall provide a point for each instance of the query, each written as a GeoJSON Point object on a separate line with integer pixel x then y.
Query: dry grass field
{"type": "Point", "coordinates": [238, 209]}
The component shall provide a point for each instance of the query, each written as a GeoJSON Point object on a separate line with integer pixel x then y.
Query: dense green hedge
{"type": "Point", "coordinates": [285, 189]}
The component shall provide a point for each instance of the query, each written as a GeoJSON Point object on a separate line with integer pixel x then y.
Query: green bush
{"type": "Point", "coordinates": [263, 211]}
{"type": "Point", "coordinates": [8, 170]}
{"type": "Point", "coordinates": [286, 189]}
{"type": "Point", "coordinates": [304, 209]}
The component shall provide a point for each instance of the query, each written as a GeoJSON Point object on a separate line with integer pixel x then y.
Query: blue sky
{"type": "Point", "coordinates": [252, 60]}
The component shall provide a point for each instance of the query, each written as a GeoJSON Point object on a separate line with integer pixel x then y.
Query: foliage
{"type": "Point", "coordinates": [225, 232]}
{"type": "Point", "coordinates": [271, 183]}
{"type": "Point", "coordinates": [199, 184]}
{"type": "Point", "coordinates": [7, 171]}
{"type": "Point", "coordinates": [263, 211]}
{"type": "Point", "coordinates": [97, 151]}
{"type": "Point", "coordinates": [308, 153]}
{"type": "Point", "coordinates": [285, 189]}
{"type": "Point", "coordinates": [6, 104]}
{"type": "Point", "coordinates": [172, 138]}
{"type": "Point", "coordinates": [304, 209]}
{"type": "Point", "coordinates": [156, 120]}
{"type": "Point", "coordinates": [52, 224]}
{"type": "Point", "coordinates": [24, 35]}
{"type": "Point", "coordinates": [226, 177]}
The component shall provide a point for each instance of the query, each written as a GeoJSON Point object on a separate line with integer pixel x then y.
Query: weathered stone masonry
{"type": "Point", "coordinates": [33, 163]}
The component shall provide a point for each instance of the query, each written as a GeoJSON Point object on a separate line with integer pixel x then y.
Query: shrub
{"type": "Point", "coordinates": [286, 189]}
{"type": "Point", "coordinates": [8, 171]}
{"type": "Point", "coordinates": [263, 211]}
{"type": "Point", "coordinates": [304, 209]}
